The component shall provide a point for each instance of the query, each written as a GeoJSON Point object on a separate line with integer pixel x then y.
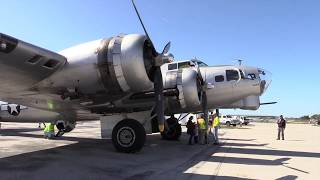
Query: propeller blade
{"type": "Point", "coordinates": [157, 60]}
{"type": "Point", "coordinates": [166, 48]}
{"type": "Point", "coordinates": [267, 103]}
{"type": "Point", "coordinates": [154, 51]}
{"type": "Point", "coordinates": [205, 111]}
{"type": "Point", "coordinates": [158, 87]}
{"type": "Point", "coordinates": [145, 31]}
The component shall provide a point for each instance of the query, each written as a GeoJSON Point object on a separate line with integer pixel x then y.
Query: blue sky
{"type": "Point", "coordinates": [281, 36]}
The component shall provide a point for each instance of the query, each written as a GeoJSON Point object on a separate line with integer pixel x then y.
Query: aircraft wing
{"type": "Point", "coordinates": [22, 64]}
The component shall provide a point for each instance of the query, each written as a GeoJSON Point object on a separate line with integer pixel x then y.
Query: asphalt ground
{"type": "Point", "coordinates": [247, 152]}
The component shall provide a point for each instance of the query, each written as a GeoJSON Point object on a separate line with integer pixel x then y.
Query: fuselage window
{"type": "Point", "coordinates": [232, 75]}
{"type": "Point", "coordinates": [172, 66]}
{"type": "Point", "coordinates": [185, 64]}
{"type": "Point", "coordinates": [219, 78]}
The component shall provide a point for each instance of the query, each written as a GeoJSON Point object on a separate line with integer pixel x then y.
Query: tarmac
{"type": "Point", "coordinates": [247, 152]}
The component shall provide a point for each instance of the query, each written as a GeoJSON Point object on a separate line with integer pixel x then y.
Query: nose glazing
{"type": "Point", "coordinates": [265, 79]}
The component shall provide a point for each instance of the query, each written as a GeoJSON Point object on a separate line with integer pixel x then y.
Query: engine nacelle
{"type": "Point", "coordinates": [187, 82]}
{"type": "Point", "coordinates": [109, 66]}
{"type": "Point", "coordinates": [126, 54]}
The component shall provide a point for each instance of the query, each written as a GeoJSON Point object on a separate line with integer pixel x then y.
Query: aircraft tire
{"type": "Point", "coordinates": [128, 136]}
{"type": "Point", "coordinates": [65, 126]}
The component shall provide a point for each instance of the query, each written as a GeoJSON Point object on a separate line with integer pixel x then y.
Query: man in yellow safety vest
{"type": "Point", "coordinates": [49, 131]}
{"type": "Point", "coordinates": [215, 126]}
{"type": "Point", "coordinates": [202, 129]}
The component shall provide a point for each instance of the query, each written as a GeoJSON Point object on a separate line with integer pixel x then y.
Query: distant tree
{"type": "Point", "coordinates": [305, 117]}
{"type": "Point", "coordinates": [315, 116]}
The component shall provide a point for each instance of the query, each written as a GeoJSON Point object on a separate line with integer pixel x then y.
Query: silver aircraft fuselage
{"type": "Point", "coordinates": [104, 76]}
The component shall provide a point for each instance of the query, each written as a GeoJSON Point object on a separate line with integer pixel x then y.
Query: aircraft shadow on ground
{"type": "Point", "coordinates": [234, 139]}
{"type": "Point", "coordinates": [90, 158]}
{"type": "Point", "coordinates": [288, 177]}
{"type": "Point", "coordinates": [243, 144]}
{"type": "Point", "coordinates": [13, 131]}
{"type": "Point", "coordinates": [97, 159]}
{"type": "Point", "coordinates": [269, 152]}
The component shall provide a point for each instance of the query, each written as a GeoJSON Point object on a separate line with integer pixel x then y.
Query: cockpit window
{"type": "Point", "coordinates": [251, 76]}
{"type": "Point", "coordinates": [199, 63]}
{"type": "Point", "coordinates": [172, 66]}
{"type": "Point", "coordinates": [232, 75]}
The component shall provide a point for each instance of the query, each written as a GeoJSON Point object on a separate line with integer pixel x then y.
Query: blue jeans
{"type": "Point", "coordinates": [49, 135]}
{"type": "Point", "coordinates": [281, 130]}
{"type": "Point", "coordinates": [215, 135]}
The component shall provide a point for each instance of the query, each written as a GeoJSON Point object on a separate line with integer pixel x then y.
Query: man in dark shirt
{"type": "Point", "coordinates": [281, 126]}
{"type": "Point", "coordinates": [190, 129]}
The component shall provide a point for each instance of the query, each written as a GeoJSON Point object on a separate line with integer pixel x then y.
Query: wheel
{"type": "Point", "coordinates": [245, 123]}
{"type": "Point", "coordinates": [128, 136]}
{"type": "Point", "coordinates": [173, 132]}
{"type": "Point", "coordinates": [65, 126]}
{"type": "Point", "coordinates": [234, 125]}
{"type": "Point", "coordinates": [228, 123]}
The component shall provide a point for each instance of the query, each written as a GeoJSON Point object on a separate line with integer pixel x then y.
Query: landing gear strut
{"type": "Point", "coordinates": [128, 136]}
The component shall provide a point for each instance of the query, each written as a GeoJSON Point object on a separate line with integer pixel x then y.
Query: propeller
{"type": "Point", "coordinates": [204, 103]}
{"type": "Point", "coordinates": [267, 103]}
{"type": "Point", "coordinates": [157, 60]}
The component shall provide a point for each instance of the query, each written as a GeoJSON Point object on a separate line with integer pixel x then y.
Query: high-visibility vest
{"type": "Point", "coordinates": [201, 123]}
{"type": "Point", "coordinates": [49, 127]}
{"type": "Point", "coordinates": [216, 121]}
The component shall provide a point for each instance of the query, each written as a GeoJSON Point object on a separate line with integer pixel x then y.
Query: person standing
{"type": "Point", "coordinates": [215, 126]}
{"type": "Point", "coordinates": [202, 129]}
{"type": "Point", "coordinates": [281, 126]}
{"type": "Point", "coordinates": [196, 133]}
{"type": "Point", "coordinates": [172, 127]}
{"type": "Point", "coordinates": [190, 129]}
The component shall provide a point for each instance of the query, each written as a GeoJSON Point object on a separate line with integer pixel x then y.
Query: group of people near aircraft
{"type": "Point", "coordinates": [198, 130]}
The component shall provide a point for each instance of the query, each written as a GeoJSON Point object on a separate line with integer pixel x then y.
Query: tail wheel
{"type": "Point", "coordinates": [128, 136]}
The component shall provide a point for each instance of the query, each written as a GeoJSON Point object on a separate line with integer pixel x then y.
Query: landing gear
{"type": "Point", "coordinates": [172, 131]}
{"type": "Point", "coordinates": [64, 127]}
{"type": "Point", "coordinates": [128, 136]}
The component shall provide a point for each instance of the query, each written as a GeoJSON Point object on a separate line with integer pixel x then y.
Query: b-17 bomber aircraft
{"type": "Point", "coordinates": [121, 81]}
